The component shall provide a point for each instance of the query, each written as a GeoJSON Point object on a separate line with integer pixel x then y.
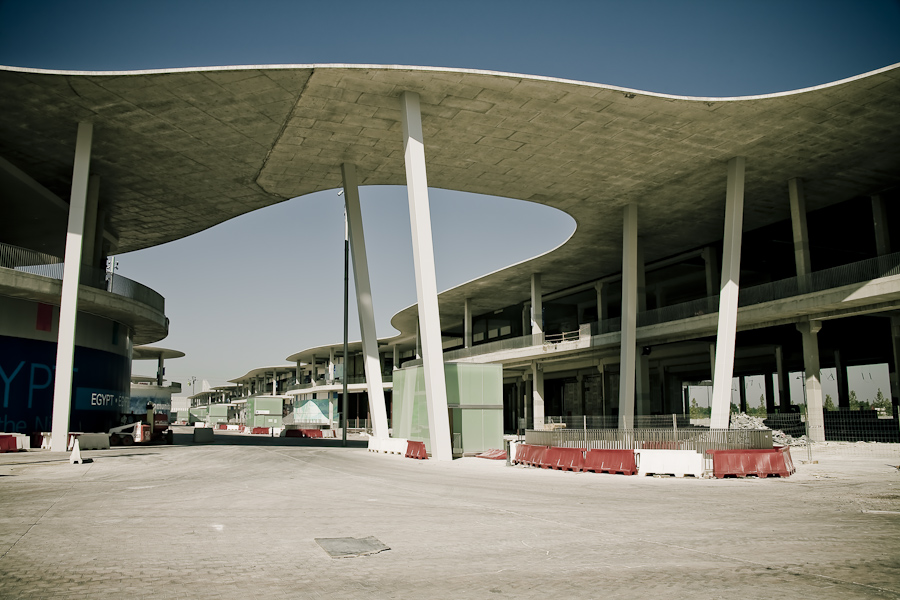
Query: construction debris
{"type": "Point", "coordinates": [779, 438]}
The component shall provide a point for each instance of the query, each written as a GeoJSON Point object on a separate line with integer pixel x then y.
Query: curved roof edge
{"type": "Point", "coordinates": [351, 66]}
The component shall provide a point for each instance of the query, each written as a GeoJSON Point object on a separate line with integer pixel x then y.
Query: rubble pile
{"type": "Point", "coordinates": [779, 438]}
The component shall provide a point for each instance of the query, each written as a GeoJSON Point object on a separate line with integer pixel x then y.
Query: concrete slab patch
{"type": "Point", "coordinates": [348, 547]}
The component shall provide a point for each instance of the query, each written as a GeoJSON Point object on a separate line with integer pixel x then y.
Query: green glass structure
{"type": "Point", "coordinates": [475, 403]}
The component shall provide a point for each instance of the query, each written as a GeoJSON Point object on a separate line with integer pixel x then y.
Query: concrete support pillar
{"type": "Point", "coordinates": [98, 258]}
{"type": "Point", "coordinates": [467, 323]}
{"type": "Point", "coordinates": [528, 409]}
{"type": "Point", "coordinates": [68, 310]}
{"type": "Point", "coordinates": [711, 266]}
{"type": "Point", "coordinates": [579, 392]}
{"type": "Point", "coordinates": [742, 393]}
{"type": "Point", "coordinates": [784, 389]}
{"type": "Point", "coordinates": [537, 307]}
{"type": "Point", "coordinates": [770, 393]}
{"type": "Point", "coordinates": [396, 357]}
{"type": "Point", "coordinates": [90, 221]}
{"type": "Point", "coordinates": [627, 358]}
{"type": "Point", "coordinates": [426, 284]}
{"type": "Point", "coordinates": [815, 419]}
{"type": "Point", "coordinates": [330, 375]}
{"type": "Point", "coordinates": [842, 384]}
{"type": "Point", "coordinates": [882, 247]}
{"type": "Point", "coordinates": [800, 232]}
{"type": "Point", "coordinates": [374, 384]}
{"type": "Point", "coordinates": [537, 376]}
{"type": "Point", "coordinates": [728, 295]}
{"type": "Point", "coordinates": [312, 369]}
{"type": "Point", "coordinates": [160, 370]}
{"type": "Point", "coordinates": [602, 306]}
{"type": "Point", "coordinates": [642, 382]}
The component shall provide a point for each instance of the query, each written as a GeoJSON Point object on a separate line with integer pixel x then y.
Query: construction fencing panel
{"type": "Point", "coordinates": [698, 440]}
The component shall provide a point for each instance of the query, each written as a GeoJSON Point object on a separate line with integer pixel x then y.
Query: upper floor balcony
{"type": "Point", "coordinates": [36, 276]}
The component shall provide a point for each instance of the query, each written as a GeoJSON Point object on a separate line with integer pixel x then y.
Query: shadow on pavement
{"type": "Point", "coordinates": [186, 439]}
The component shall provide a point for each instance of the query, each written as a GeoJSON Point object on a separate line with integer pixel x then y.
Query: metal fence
{"type": "Point", "coordinates": [45, 265]}
{"type": "Point", "coordinates": [612, 421]}
{"type": "Point", "coordinates": [696, 439]}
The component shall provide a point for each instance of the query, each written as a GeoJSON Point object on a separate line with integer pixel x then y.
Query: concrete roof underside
{"type": "Point", "coordinates": [178, 152]}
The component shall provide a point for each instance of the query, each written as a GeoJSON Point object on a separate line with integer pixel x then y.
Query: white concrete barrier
{"type": "Point", "coordinates": [203, 435]}
{"type": "Point", "coordinates": [511, 453]}
{"type": "Point", "coordinates": [234, 428]}
{"type": "Point", "coordinates": [93, 441]}
{"type": "Point", "coordinates": [23, 441]}
{"type": "Point", "coordinates": [669, 462]}
{"type": "Point", "coordinates": [375, 444]}
{"type": "Point", "coordinates": [395, 446]}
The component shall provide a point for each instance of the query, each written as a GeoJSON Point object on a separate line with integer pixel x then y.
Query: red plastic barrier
{"type": "Point", "coordinates": [523, 454]}
{"type": "Point", "coordinates": [222, 426]}
{"type": "Point", "coordinates": [8, 443]}
{"type": "Point", "coordinates": [610, 461]}
{"type": "Point", "coordinates": [762, 463]}
{"type": "Point", "coordinates": [493, 455]}
{"type": "Point", "coordinates": [564, 459]}
{"type": "Point", "coordinates": [537, 456]}
{"type": "Point", "coordinates": [262, 430]}
{"type": "Point", "coordinates": [312, 433]}
{"type": "Point", "coordinates": [416, 450]}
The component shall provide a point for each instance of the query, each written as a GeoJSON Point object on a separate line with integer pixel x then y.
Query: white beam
{"type": "Point", "coordinates": [537, 377]}
{"type": "Point", "coordinates": [467, 325]}
{"type": "Point", "coordinates": [814, 406]}
{"type": "Point", "coordinates": [728, 294]}
{"type": "Point", "coordinates": [364, 305]}
{"type": "Point", "coordinates": [628, 348]}
{"type": "Point", "coordinates": [426, 282]}
{"type": "Point", "coordinates": [537, 306]}
{"type": "Point", "coordinates": [68, 309]}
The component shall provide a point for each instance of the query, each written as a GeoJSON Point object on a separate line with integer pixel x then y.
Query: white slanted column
{"type": "Point", "coordinates": [814, 407]}
{"type": "Point", "coordinates": [366, 312]}
{"type": "Point", "coordinates": [628, 348]}
{"type": "Point", "coordinates": [467, 324]}
{"type": "Point", "coordinates": [537, 394]}
{"type": "Point", "coordinates": [396, 357]}
{"type": "Point", "coordinates": [728, 295]}
{"type": "Point", "coordinates": [90, 222]}
{"type": "Point", "coordinates": [800, 232]}
{"type": "Point", "coordinates": [537, 310]}
{"type": "Point", "coordinates": [68, 310]}
{"type": "Point", "coordinates": [426, 283]}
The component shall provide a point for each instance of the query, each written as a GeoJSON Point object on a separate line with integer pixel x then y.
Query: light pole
{"type": "Point", "coordinates": [344, 401]}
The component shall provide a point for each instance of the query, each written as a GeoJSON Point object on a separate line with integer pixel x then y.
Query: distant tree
{"type": "Point", "coordinates": [699, 412]}
{"type": "Point", "coordinates": [829, 403]}
{"type": "Point", "coordinates": [881, 401]}
{"type": "Point", "coordinates": [759, 411]}
{"type": "Point", "coordinates": [735, 408]}
{"type": "Point", "coordinates": [854, 403]}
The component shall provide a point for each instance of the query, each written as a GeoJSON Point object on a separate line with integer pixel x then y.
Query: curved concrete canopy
{"type": "Point", "coordinates": [264, 372]}
{"type": "Point", "coordinates": [155, 353]}
{"type": "Point", "coordinates": [179, 151]}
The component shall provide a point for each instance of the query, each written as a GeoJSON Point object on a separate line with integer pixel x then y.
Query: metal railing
{"type": "Point", "coordinates": [45, 265]}
{"type": "Point", "coordinates": [612, 421]}
{"type": "Point", "coordinates": [696, 439]}
{"type": "Point", "coordinates": [525, 341]}
{"type": "Point", "coordinates": [853, 273]}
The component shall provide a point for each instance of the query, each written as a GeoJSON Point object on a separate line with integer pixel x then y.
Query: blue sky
{"type": "Point", "coordinates": [252, 291]}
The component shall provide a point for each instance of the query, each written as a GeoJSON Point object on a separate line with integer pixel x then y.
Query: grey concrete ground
{"type": "Point", "coordinates": [233, 520]}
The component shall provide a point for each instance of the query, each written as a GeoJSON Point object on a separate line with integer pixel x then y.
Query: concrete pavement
{"type": "Point", "coordinates": [232, 520]}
